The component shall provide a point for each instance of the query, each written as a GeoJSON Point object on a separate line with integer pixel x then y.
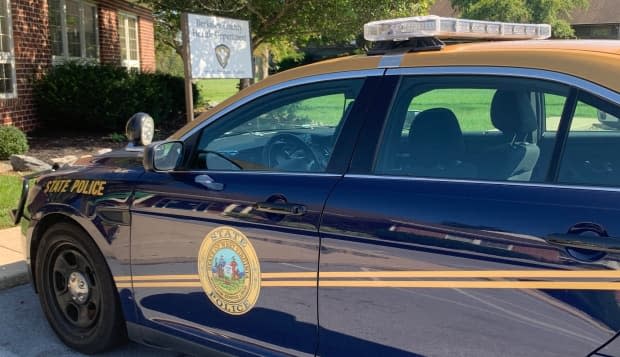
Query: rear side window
{"type": "Point", "coordinates": [470, 106]}
{"type": "Point", "coordinates": [478, 128]}
{"type": "Point", "coordinates": [591, 150]}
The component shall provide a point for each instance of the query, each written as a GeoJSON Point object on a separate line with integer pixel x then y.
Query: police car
{"type": "Point", "coordinates": [429, 198]}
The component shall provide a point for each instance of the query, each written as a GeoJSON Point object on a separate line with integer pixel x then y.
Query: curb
{"type": "Point", "coordinates": [12, 275]}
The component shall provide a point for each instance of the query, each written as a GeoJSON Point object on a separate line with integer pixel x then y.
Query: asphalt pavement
{"type": "Point", "coordinates": [25, 332]}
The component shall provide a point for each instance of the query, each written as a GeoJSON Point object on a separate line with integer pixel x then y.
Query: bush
{"type": "Point", "coordinates": [12, 141]}
{"type": "Point", "coordinates": [103, 97]}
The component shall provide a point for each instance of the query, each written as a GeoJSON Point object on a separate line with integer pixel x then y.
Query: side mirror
{"type": "Point", "coordinates": [140, 129]}
{"type": "Point", "coordinates": [163, 156]}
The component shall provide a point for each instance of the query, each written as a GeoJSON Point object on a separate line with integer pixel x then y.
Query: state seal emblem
{"type": "Point", "coordinates": [222, 53]}
{"type": "Point", "coordinates": [229, 270]}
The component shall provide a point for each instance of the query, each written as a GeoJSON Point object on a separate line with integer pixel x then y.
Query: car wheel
{"type": "Point", "coordinates": [76, 290]}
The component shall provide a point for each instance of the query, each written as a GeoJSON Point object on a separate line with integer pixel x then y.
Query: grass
{"type": "Point", "coordinates": [10, 189]}
{"type": "Point", "coordinates": [216, 90]}
{"type": "Point", "coordinates": [471, 106]}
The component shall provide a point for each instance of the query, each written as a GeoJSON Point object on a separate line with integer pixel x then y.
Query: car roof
{"type": "Point", "coordinates": [597, 61]}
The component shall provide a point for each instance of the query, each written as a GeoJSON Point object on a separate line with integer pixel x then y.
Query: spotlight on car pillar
{"type": "Point", "coordinates": [140, 129]}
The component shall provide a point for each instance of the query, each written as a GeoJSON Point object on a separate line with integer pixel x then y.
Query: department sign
{"type": "Point", "coordinates": [219, 47]}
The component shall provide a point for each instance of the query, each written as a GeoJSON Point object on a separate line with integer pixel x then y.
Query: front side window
{"type": "Point", "coordinates": [73, 28]}
{"type": "Point", "coordinates": [292, 130]}
{"type": "Point", "coordinates": [128, 36]}
{"type": "Point", "coordinates": [7, 58]}
{"type": "Point", "coordinates": [468, 127]}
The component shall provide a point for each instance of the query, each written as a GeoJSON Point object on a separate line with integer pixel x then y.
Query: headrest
{"type": "Point", "coordinates": [512, 113]}
{"type": "Point", "coordinates": [435, 136]}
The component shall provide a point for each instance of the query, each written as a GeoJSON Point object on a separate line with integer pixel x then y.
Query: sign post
{"type": "Point", "coordinates": [187, 71]}
{"type": "Point", "coordinates": [214, 47]}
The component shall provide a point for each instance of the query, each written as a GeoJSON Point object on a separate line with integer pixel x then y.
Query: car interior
{"type": "Point", "coordinates": [293, 133]}
{"type": "Point", "coordinates": [426, 139]}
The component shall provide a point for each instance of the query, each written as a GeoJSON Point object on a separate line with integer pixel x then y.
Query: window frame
{"type": "Point", "coordinates": [126, 62]}
{"type": "Point", "coordinates": [8, 57]}
{"type": "Point", "coordinates": [59, 59]}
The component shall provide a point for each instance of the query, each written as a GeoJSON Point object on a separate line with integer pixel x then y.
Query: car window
{"type": "Point", "coordinates": [590, 153]}
{"type": "Point", "coordinates": [586, 118]}
{"type": "Point", "coordinates": [294, 130]}
{"type": "Point", "coordinates": [470, 106]}
{"type": "Point", "coordinates": [482, 128]}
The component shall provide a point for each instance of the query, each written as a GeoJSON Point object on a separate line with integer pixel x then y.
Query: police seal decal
{"type": "Point", "coordinates": [229, 270]}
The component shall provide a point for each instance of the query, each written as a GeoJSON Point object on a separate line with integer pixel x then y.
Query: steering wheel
{"type": "Point", "coordinates": [286, 151]}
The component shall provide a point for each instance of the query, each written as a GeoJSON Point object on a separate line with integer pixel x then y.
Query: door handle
{"type": "Point", "coordinates": [594, 243]}
{"type": "Point", "coordinates": [209, 183]}
{"type": "Point", "coordinates": [282, 208]}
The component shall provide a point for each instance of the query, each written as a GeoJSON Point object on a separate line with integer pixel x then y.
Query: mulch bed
{"type": "Point", "coordinates": [46, 148]}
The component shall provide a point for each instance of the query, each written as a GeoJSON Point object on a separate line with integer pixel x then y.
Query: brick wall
{"type": "Point", "coordinates": [146, 34]}
{"type": "Point", "coordinates": [32, 58]}
{"type": "Point", "coordinates": [109, 46]}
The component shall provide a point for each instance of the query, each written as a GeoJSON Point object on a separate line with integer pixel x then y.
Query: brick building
{"type": "Point", "coordinates": [36, 34]}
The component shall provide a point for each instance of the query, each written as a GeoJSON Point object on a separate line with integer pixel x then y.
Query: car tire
{"type": "Point", "coordinates": [77, 292]}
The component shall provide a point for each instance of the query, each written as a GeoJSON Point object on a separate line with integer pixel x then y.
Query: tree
{"type": "Point", "coordinates": [554, 12]}
{"type": "Point", "coordinates": [284, 21]}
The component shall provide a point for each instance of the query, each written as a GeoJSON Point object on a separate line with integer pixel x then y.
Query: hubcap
{"type": "Point", "coordinates": [78, 287]}
{"type": "Point", "coordinates": [74, 286]}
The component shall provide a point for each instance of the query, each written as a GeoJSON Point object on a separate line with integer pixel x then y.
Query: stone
{"type": "Point", "coordinates": [5, 166]}
{"type": "Point", "coordinates": [84, 160]}
{"type": "Point", "coordinates": [103, 151]}
{"type": "Point", "coordinates": [28, 163]}
{"type": "Point", "coordinates": [65, 160]}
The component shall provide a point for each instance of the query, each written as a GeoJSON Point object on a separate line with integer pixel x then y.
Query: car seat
{"type": "Point", "coordinates": [514, 160]}
{"type": "Point", "coordinates": [436, 146]}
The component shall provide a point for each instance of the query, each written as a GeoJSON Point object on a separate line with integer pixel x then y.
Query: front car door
{"type": "Point", "coordinates": [429, 250]}
{"type": "Point", "coordinates": [217, 245]}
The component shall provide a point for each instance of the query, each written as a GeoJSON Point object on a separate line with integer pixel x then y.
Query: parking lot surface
{"type": "Point", "coordinates": [25, 332]}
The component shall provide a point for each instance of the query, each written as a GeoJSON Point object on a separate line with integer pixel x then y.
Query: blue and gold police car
{"type": "Point", "coordinates": [422, 200]}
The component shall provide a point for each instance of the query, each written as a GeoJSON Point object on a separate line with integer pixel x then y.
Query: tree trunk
{"type": "Point", "coordinates": [244, 83]}
{"type": "Point", "coordinates": [264, 72]}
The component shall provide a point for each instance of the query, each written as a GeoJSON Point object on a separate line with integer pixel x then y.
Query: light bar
{"type": "Point", "coordinates": [446, 27]}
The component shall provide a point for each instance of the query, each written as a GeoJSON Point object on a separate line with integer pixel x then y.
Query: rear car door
{"type": "Point", "coordinates": [217, 246]}
{"type": "Point", "coordinates": [428, 250]}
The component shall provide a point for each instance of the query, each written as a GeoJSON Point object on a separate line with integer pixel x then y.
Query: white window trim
{"type": "Point", "coordinates": [56, 59]}
{"type": "Point", "coordinates": [9, 57]}
{"type": "Point", "coordinates": [131, 64]}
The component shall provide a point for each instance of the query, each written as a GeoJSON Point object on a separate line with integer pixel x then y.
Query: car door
{"type": "Point", "coordinates": [217, 244]}
{"type": "Point", "coordinates": [427, 251]}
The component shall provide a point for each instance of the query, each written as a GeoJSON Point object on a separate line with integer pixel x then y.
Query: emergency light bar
{"type": "Point", "coordinates": [407, 28]}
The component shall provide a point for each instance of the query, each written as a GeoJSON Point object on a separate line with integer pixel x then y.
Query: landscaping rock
{"type": "Point", "coordinates": [84, 160]}
{"type": "Point", "coordinates": [28, 163]}
{"type": "Point", "coordinates": [65, 160]}
{"type": "Point", "coordinates": [5, 166]}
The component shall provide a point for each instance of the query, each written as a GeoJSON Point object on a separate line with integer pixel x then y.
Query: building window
{"type": "Point", "coordinates": [7, 57]}
{"type": "Point", "coordinates": [73, 26]}
{"type": "Point", "coordinates": [128, 36]}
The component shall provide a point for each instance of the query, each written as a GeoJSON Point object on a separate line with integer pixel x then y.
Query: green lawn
{"type": "Point", "coordinates": [216, 90]}
{"type": "Point", "coordinates": [10, 189]}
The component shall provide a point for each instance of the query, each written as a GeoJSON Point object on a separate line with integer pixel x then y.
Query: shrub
{"type": "Point", "coordinates": [102, 97]}
{"type": "Point", "coordinates": [12, 141]}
